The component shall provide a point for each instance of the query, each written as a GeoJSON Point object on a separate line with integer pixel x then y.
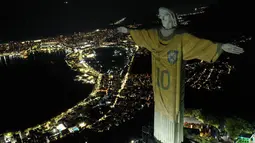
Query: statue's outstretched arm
{"type": "Point", "coordinates": [202, 49]}
{"type": "Point", "coordinates": [142, 37]}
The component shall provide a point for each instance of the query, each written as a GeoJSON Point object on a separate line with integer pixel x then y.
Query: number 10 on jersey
{"type": "Point", "coordinates": [163, 79]}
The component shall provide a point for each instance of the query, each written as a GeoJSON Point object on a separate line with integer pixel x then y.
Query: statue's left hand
{"type": "Point", "coordinates": [230, 48]}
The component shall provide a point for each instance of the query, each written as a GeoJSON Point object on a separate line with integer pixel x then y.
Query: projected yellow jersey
{"type": "Point", "coordinates": [168, 54]}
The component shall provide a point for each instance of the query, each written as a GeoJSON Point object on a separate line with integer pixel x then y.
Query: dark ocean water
{"type": "Point", "coordinates": [37, 89]}
{"type": "Point", "coordinates": [42, 86]}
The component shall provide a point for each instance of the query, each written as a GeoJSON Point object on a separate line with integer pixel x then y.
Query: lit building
{"type": "Point", "coordinates": [191, 122]}
{"type": "Point", "coordinates": [246, 138]}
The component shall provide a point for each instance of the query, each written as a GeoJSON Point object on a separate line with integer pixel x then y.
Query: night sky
{"type": "Point", "coordinates": [27, 19]}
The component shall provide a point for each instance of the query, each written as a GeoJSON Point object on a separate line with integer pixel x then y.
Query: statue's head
{"type": "Point", "coordinates": [167, 17]}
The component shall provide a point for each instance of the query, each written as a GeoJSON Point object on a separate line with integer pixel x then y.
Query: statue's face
{"type": "Point", "coordinates": [167, 18]}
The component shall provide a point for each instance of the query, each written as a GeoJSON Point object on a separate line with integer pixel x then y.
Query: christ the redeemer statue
{"type": "Point", "coordinates": [169, 48]}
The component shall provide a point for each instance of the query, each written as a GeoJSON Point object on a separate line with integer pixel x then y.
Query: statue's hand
{"type": "Point", "coordinates": [122, 30]}
{"type": "Point", "coordinates": [229, 48]}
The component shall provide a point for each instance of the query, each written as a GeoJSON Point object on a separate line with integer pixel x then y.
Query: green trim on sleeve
{"type": "Point", "coordinates": [218, 52]}
{"type": "Point", "coordinates": [219, 49]}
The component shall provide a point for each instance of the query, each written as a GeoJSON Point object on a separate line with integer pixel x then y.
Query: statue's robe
{"type": "Point", "coordinates": [168, 56]}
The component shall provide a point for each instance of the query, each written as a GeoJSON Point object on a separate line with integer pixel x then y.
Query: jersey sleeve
{"type": "Point", "coordinates": [144, 38]}
{"type": "Point", "coordinates": [202, 49]}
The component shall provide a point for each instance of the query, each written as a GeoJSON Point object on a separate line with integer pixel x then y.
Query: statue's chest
{"type": "Point", "coordinates": [168, 57]}
{"type": "Point", "coordinates": [169, 49]}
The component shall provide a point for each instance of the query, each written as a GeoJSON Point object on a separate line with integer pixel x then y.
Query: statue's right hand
{"type": "Point", "coordinates": [122, 29]}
